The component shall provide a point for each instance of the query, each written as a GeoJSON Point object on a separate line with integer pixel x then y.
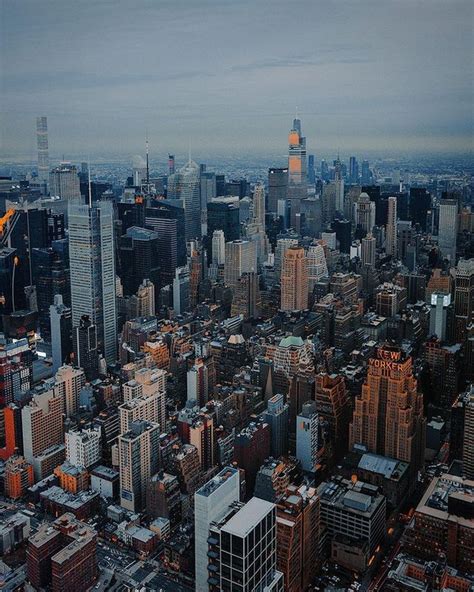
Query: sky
{"type": "Point", "coordinates": [226, 76]}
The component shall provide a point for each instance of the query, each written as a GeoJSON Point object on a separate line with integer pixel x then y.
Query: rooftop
{"type": "Point", "coordinates": [211, 486]}
{"type": "Point", "coordinates": [253, 512]}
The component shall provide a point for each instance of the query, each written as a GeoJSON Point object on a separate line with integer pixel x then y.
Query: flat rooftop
{"type": "Point", "coordinates": [211, 486]}
{"type": "Point", "coordinates": [248, 517]}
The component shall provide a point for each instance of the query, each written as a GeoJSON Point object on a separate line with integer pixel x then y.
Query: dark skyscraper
{"type": "Point", "coordinates": [311, 170]}
{"type": "Point", "coordinates": [277, 187]}
{"type": "Point", "coordinates": [139, 258]}
{"type": "Point", "coordinates": [420, 203]}
{"type": "Point", "coordinates": [353, 170]}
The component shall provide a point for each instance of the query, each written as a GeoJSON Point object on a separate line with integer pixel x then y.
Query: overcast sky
{"type": "Point", "coordinates": [227, 75]}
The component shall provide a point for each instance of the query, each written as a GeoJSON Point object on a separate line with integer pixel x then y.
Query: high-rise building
{"type": "Point", "coordinates": [218, 247]}
{"type": "Point", "coordinates": [235, 540]}
{"type": "Point", "coordinates": [64, 182]}
{"type": "Point", "coordinates": [463, 297]}
{"type": "Point", "coordinates": [223, 214]}
{"type": "Point", "coordinates": [294, 280]}
{"type": "Point", "coordinates": [334, 409]}
{"type": "Point", "coordinates": [276, 415]}
{"type": "Point", "coordinates": [420, 203]}
{"type": "Point", "coordinates": [364, 214]}
{"type": "Point", "coordinates": [388, 416]}
{"type": "Point", "coordinates": [42, 145]}
{"type": "Point", "coordinates": [61, 332]}
{"type": "Point", "coordinates": [283, 244]}
{"type": "Point", "coordinates": [468, 436]}
{"type": "Point", "coordinates": [259, 205]}
{"type": "Point", "coordinates": [366, 174]}
{"type": "Point", "coordinates": [211, 504]}
{"type": "Point", "coordinates": [251, 448]}
{"type": "Point", "coordinates": [185, 185]}
{"type": "Point", "coordinates": [317, 265]}
{"type": "Point", "coordinates": [144, 398]}
{"type": "Point", "coordinates": [18, 477]}
{"type": "Point", "coordinates": [197, 380]}
{"type": "Point", "coordinates": [307, 425]}
{"type": "Point", "coordinates": [84, 342]}
{"type": "Point", "coordinates": [171, 164]}
{"type": "Point", "coordinates": [391, 228]}
{"type": "Point", "coordinates": [139, 254]}
{"type": "Point", "coordinates": [343, 230]}
{"type": "Point", "coordinates": [43, 433]}
{"type": "Point", "coordinates": [240, 257]}
{"type": "Point", "coordinates": [181, 290]}
{"type": "Point", "coordinates": [247, 300]}
{"type": "Point", "coordinates": [297, 169]}
{"type": "Point", "coordinates": [68, 382]}
{"type": "Point", "coordinates": [138, 461]}
{"type": "Point", "coordinates": [353, 170]}
{"type": "Point", "coordinates": [277, 187]}
{"type": "Point", "coordinates": [83, 447]}
{"type": "Point", "coordinates": [62, 555]}
{"type": "Point", "coordinates": [368, 250]}
{"type": "Point", "coordinates": [448, 228]}
{"type": "Point", "coordinates": [163, 498]}
{"type": "Point", "coordinates": [92, 265]}
{"type": "Point", "coordinates": [298, 542]}
{"type": "Point", "coordinates": [311, 170]}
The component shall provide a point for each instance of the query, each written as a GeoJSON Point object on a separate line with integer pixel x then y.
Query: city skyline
{"type": "Point", "coordinates": [360, 83]}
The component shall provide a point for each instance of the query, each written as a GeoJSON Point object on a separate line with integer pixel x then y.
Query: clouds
{"type": "Point", "coordinates": [227, 75]}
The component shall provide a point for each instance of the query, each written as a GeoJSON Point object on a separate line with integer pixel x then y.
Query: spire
{"type": "Point", "coordinates": [89, 181]}
{"type": "Point", "coordinates": [147, 164]}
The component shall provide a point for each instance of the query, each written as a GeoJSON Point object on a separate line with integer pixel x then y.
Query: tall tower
{"type": "Point", "coordinates": [368, 250]}
{"type": "Point", "coordinates": [240, 257]}
{"type": "Point", "coordinates": [388, 416]}
{"type": "Point", "coordinates": [259, 205]}
{"type": "Point", "coordinates": [448, 227]}
{"type": "Point", "coordinates": [218, 247]}
{"type": "Point", "coordinates": [365, 213]}
{"type": "Point", "coordinates": [186, 186]}
{"type": "Point", "coordinates": [92, 265]}
{"type": "Point", "coordinates": [391, 240]}
{"type": "Point", "coordinates": [297, 168]}
{"type": "Point", "coordinates": [42, 145]}
{"type": "Point", "coordinates": [294, 280]}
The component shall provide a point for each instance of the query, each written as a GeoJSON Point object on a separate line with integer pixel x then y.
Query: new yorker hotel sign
{"type": "Point", "coordinates": [387, 359]}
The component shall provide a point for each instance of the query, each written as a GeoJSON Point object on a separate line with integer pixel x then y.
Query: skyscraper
{"type": "Point", "coordinates": [307, 436]}
{"type": "Point", "coordinates": [276, 415]}
{"type": "Point", "coordinates": [463, 297]}
{"type": "Point", "coordinates": [297, 168]}
{"type": "Point", "coordinates": [294, 280]}
{"type": "Point", "coordinates": [317, 266]}
{"type": "Point", "coordinates": [368, 250]}
{"type": "Point", "coordinates": [391, 228]}
{"type": "Point", "coordinates": [84, 342]}
{"type": "Point", "coordinates": [388, 416]}
{"type": "Point", "coordinates": [311, 170]}
{"type": "Point", "coordinates": [364, 214]}
{"type": "Point", "coordinates": [64, 182]}
{"type": "Point", "coordinates": [138, 461]}
{"type": "Point", "coordinates": [92, 265]}
{"type": "Point", "coordinates": [240, 257]}
{"type": "Point", "coordinates": [61, 332]}
{"type": "Point", "coordinates": [448, 228]}
{"type": "Point", "coordinates": [185, 185]}
{"type": "Point", "coordinates": [211, 503]}
{"type": "Point", "coordinates": [42, 144]}
{"type": "Point", "coordinates": [277, 187]}
{"type": "Point", "coordinates": [353, 170]}
{"type": "Point", "coordinates": [259, 205]}
{"type": "Point", "coordinates": [218, 247]}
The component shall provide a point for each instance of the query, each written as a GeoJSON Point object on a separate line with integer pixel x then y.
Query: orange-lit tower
{"type": "Point", "coordinates": [388, 416]}
{"type": "Point", "coordinates": [294, 280]}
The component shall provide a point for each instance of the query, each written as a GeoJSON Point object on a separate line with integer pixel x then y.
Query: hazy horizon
{"type": "Point", "coordinates": [226, 77]}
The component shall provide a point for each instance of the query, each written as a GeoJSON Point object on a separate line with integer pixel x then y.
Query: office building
{"type": "Point", "coordinates": [259, 205]}
{"type": "Point", "coordinates": [138, 460]}
{"type": "Point", "coordinates": [317, 265]}
{"type": "Point", "coordinates": [181, 290]}
{"type": "Point", "coordinates": [68, 382]}
{"type": "Point", "coordinates": [354, 515]}
{"type": "Point", "coordinates": [42, 146]}
{"type": "Point", "coordinates": [442, 523]}
{"type": "Point", "coordinates": [463, 297]}
{"type": "Point", "coordinates": [294, 280]}
{"type": "Point", "coordinates": [86, 353]}
{"type": "Point", "coordinates": [391, 247]}
{"type": "Point", "coordinates": [61, 332]}
{"type": "Point", "coordinates": [43, 434]}
{"type": "Point", "coordinates": [343, 230]}
{"type": "Point", "coordinates": [368, 250]}
{"type": "Point", "coordinates": [245, 542]}
{"type": "Point", "coordinates": [298, 537]}
{"type": "Point", "coordinates": [144, 399]}
{"type": "Point", "coordinates": [218, 247]}
{"type": "Point", "coordinates": [419, 204]}
{"type": "Point", "coordinates": [83, 447]}
{"type": "Point", "coordinates": [468, 436]}
{"type": "Point", "coordinates": [311, 170]}
{"type": "Point", "coordinates": [448, 228]}
{"type": "Point", "coordinates": [353, 170]}
{"type": "Point", "coordinates": [307, 425]}
{"type": "Point", "coordinates": [247, 299]}
{"type": "Point", "coordinates": [139, 252]}
{"type": "Point", "coordinates": [64, 182]}
{"type": "Point", "coordinates": [62, 555]}
{"type": "Point", "coordinates": [334, 410]}
{"type": "Point", "coordinates": [92, 265]}
{"type": "Point", "coordinates": [388, 416]}
{"type": "Point", "coordinates": [277, 187]}
{"type": "Point", "coordinates": [251, 447]}
{"type": "Point", "coordinates": [185, 185]}
{"type": "Point", "coordinates": [240, 257]}
{"type": "Point", "coordinates": [163, 497]}
{"type": "Point", "coordinates": [211, 503]}
{"type": "Point", "coordinates": [276, 415]}
{"type": "Point", "coordinates": [283, 244]}
{"type": "Point", "coordinates": [223, 215]}
{"type": "Point", "coordinates": [197, 380]}
{"type": "Point", "coordinates": [19, 477]}
{"type": "Point", "coordinates": [364, 215]}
